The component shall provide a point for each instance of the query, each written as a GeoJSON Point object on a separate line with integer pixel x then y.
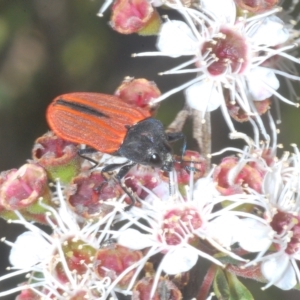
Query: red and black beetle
{"type": "Point", "coordinates": [108, 124]}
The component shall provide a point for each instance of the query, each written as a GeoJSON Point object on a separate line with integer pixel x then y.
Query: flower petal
{"type": "Point", "coordinates": [222, 229]}
{"type": "Point", "coordinates": [176, 39]}
{"type": "Point", "coordinates": [29, 249]}
{"type": "Point", "coordinates": [258, 78]}
{"type": "Point", "coordinates": [203, 96]}
{"type": "Point", "coordinates": [204, 191]}
{"type": "Point", "coordinates": [223, 11]}
{"type": "Point", "coordinates": [253, 235]}
{"type": "Point", "coordinates": [135, 240]}
{"type": "Point", "coordinates": [180, 260]}
{"type": "Point", "coordinates": [271, 32]}
{"type": "Point", "coordinates": [280, 267]}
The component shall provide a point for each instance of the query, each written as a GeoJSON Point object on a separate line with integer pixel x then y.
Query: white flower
{"type": "Point", "coordinates": [174, 226]}
{"type": "Point", "coordinates": [280, 225]}
{"type": "Point", "coordinates": [230, 57]}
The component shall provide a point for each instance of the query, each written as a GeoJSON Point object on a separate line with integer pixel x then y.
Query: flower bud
{"type": "Point", "coordinates": [139, 92]}
{"type": "Point", "coordinates": [237, 113]}
{"type": "Point", "coordinates": [22, 188]}
{"type": "Point", "coordinates": [165, 289]}
{"type": "Point", "coordinates": [81, 295]}
{"type": "Point", "coordinates": [89, 191]}
{"type": "Point", "coordinates": [78, 255]}
{"type": "Point", "coordinates": [59, 157]}
{"type": "Point", "coordinates": [191, 160]}
{"type": "Point", "coordinates": [256, 6]}
{"type": "Point", "coordinates": [130, 16]}
{"type": "Point", "coordinates": [28, 294]}
{"type": "Point", "coordinates": [141, 177]}
{"type": "Point", "coordinates": [246, 176]}
{"type": "Point", "coordinates": [114, 259]}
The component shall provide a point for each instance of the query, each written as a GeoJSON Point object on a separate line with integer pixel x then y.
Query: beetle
{"type": "Point", "coordinates": [108, 124]}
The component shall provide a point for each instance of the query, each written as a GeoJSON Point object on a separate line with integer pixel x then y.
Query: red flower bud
{"type": "Point", "coordinates": [141, 176]}
{"type": "Point", "coordinates": [237, 113]}
{"type": "Point", "coordinates": [78, 254]}
{"type": "Point", "coordinates": [139, 92]}
{"type": "Point", "coordinates": [112, 260]}
{"type": "Point", "coordinates": [182, 166]}
{"type": "Point", "coordinates": [165, 289]}
{"type": "Point", "coordinates": [88, 192]}
{"type": "Point", "coordinates": [248, 175]}
{"type": "Point", "coordinates": [28, 294]}
{"type": "Point", "coordinates": [256, 6]}
{"type": "Point", "coordinates": [129, 16]}
{"type": "Point", "coordinates": [22, 188]}
{"type": "Point", "coordinates": [57, 156]}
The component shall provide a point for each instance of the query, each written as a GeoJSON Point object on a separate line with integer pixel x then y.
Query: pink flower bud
{"type": "Point", "coordinates": [256, 6]}
{"type": "Point", "coordinates": [248, 176]}
{"type": "Point", "coordinates": [130, 16]}
{"type": "Point", "coordinates": [141, 177]}
{"type": "Point", "coordinates": [88, 192]}
{"type": "Point", "coordinates": [165, 289]}
{"type": "Point", "coordinates": [237, 113]}
{"type": "Point", "coordinates": [28, 294]}
{"type": "Point", "coordinates": [81, 295]}
{"type": "Point", "coordinates": [190, 160]}
{"type": "Point", "coordinates": [112, 260]}
{"type": "Point", "coordinates": [139, 92]}
{"type": "Point", "coordinates": [59, 157]}
{"type": "Point", "coordinates": [23, 187]}
{"type": "Point", "coordinates": [78, 255]}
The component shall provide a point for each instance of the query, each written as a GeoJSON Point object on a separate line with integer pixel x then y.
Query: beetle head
{"type": "Point", "coordinates": [146, 143]}
{"type": "Point", "coordinates": [160, 158]}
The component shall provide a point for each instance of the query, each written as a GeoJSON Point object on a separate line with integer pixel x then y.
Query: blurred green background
{"type": "Point", "coordinates": [50, 47]}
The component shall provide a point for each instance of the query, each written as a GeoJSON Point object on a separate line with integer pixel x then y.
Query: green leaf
{"type": "Point", "coordinates": [220, 285]}
{"type": "Point", "coordinates": [237, 290]}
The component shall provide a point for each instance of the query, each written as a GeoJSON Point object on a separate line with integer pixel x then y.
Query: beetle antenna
{"type": "Point", "coordinates": [188, 168]}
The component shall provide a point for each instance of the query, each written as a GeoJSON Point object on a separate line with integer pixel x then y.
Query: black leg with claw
{"type": "Point", "coordinates": [125, 167]}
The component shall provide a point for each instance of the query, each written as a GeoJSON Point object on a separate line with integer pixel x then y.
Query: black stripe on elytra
{"type": "Point", "coordinates": [81, 108]}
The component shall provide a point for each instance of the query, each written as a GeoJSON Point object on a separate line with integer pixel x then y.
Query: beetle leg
{"type": "Point", "coordinates": [105, 173]}
{"type": "Point", "coordinates": [123, 171]}
{"type": "Point", "coordinates": [82, 152]}
{"type": "Point", "coordinates": [112, 167]}
{"type": "Point", "coordinates": [125, 167]}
